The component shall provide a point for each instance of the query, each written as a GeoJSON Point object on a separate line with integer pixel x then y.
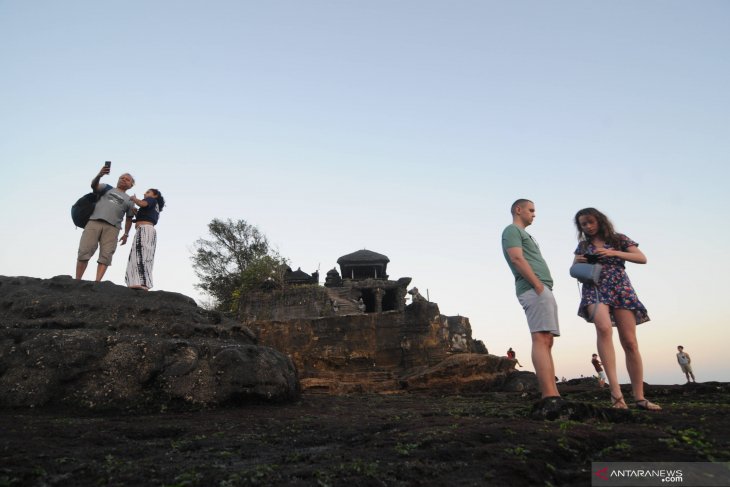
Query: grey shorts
{"type": "Point", "coordinates": [541, 311]}
{"type": "Point", "coordinates": [98, 233]}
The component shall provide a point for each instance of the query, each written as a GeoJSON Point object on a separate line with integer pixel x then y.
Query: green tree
{"type": "Point", "coordinates": [236, 258]}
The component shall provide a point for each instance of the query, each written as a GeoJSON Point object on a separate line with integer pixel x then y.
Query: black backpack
{"type": "Point", "coordinates": [81, 210]}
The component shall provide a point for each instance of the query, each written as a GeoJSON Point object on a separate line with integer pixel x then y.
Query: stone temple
{"type": "Point", "coordinates": [365, 280]}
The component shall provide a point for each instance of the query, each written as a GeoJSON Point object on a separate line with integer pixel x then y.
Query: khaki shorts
{"type": "Point", "coordinates": [98, 233]}
{"type": "Point", "coordinates": [541, 311]}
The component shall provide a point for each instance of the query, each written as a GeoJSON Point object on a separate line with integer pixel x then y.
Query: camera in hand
{"type": "Point", "coordinates": [592, 258]}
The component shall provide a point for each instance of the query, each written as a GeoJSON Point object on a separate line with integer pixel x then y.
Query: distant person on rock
{"type": "Point", "coordinates": [599, 369]}
{"type": "Point", "coordinates": [142, 254]}
{"type": "Point", "coordinates": [685, 363]}
{"type": "Point", "coordinates": [513, 356]}
{"type": "Point", "coordinates": [533, 284]}
{"type": "Point", "coordinates": [613, 302]}
{"type": "Point", "coordinates": [105, 223]}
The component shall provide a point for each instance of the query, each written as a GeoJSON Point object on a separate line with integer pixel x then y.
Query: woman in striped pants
{"type": "Point", "coordinates": [142, 253]}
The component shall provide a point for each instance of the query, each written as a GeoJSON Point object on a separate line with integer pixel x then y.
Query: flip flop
{"type": "Point", "coordinates": [647, 405]}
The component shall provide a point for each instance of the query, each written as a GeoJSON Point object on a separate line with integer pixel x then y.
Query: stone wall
{"type": "Point", "coordinates": [304, 301]}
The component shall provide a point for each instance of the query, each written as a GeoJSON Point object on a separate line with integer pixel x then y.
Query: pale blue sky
{"type": "Point", "coordinates": [406, 127]}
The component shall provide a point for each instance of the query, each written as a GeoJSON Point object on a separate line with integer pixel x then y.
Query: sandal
{"type": "Point", "coordinates": [618, 402]}
{"type": "Point", "coordinates": [648, 405]}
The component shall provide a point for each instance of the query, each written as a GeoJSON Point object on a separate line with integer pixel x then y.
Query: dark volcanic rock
{"type": "Point", "coordinates": [395, 440]}
{"type": "Point", "coordinates": [557, 408]}
{"type": "Point", "coordinates": [103, 346]}
{"type": "Point", "coordinates": [469, 372]}
{"type": "Point", "coordinates": [520, 381]}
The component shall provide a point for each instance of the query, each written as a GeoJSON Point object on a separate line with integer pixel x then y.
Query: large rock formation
{"type": "Point", "coordinates": [102, 346]}
{"type": "Point", "coordinates": [348, 350]}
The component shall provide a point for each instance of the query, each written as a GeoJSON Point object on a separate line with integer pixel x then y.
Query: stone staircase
{"type": "Point", "coordinates": [345, 304]}
{"type": "Point", "coordinates": [353, 382]}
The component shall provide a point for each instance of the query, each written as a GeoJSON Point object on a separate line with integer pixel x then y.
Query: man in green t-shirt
{"type": "Point", "coordinates": [534, 284]}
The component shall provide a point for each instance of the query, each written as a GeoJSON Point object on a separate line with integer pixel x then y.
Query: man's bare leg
{"type": "Point", "coordinates": [81, 268]}
{"type": "Point", "coordinates": [100, 270]}
{"type": "Point", "coordinates": [542, 360]}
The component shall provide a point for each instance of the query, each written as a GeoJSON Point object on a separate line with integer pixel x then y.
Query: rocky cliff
{"type": "Point", "coordinates": [392, 351]}
{"type": "Point", "coordinates": [101, 346]}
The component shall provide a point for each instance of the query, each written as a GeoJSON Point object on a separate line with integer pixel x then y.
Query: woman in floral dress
{"type": "Point", "coordinates": [613, 302]}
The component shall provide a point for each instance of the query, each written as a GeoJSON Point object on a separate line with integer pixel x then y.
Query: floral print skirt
{"type": "Point", "coordinates": [615, 290]}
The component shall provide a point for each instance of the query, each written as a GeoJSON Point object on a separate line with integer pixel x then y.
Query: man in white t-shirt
{"type": "Point", "coordinates": [684, 362]}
